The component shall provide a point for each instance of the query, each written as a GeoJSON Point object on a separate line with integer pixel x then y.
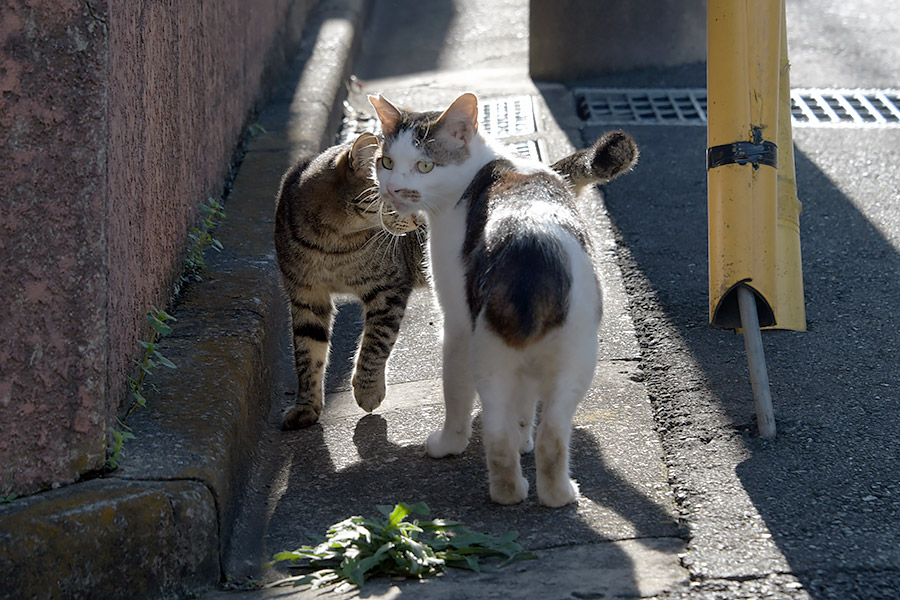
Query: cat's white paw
{"type": "Point", "coordinates": [564, 493]}
{"type": "Point", "coordinates": [509, 491]}
{"type": "Point", "coordinates": [443, 443]}
{"type": "Point", "coordinates": [369, 398]}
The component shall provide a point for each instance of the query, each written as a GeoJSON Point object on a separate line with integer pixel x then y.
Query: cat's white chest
{"type": "Point", "coordinates": [447, 233]}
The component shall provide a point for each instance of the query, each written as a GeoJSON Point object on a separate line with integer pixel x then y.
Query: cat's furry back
{"type": "Point", "coordinates": [330, 239]}
{"type": "Point", "coordinates": [512, 266]}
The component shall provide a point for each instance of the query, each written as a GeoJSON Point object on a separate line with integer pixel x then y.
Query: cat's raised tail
{"type": "Point", "coordinates": [612, 155]}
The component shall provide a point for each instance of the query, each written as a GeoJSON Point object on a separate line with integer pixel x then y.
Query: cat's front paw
{"type": "Point", "coordinates": [555, 496]}
{"type": "Point", "coordinates": [302, 415]}
{"type": "Point", "coordinates": [443, 443]}
{"type": "Point", "coordinates": [369, 397]}
{"type": "Point", "coordinates": [509, 491]}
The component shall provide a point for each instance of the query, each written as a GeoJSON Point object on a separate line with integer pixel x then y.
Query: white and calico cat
{"type": "Point", "coordinates": [511, 262]}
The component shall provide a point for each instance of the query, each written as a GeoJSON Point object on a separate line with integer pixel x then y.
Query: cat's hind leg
{"type": "Point", "coordinates": [562, 391]}
{"type": "Point", "coordinates": [507, 413]}
{"type": "Point", "coordinates": [311, 321]}
{"type": "Point", "coordinates": [569, 357]}
{"type": "Point", "coordinates": [554, 486]}
{"type": "Point", "coordinates": [502, 438]}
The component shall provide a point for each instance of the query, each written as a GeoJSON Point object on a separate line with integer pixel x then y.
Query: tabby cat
{"type": "Point", "coordinates": [512, 265]}
{"type": "Point", "coordinates": [330, 239]}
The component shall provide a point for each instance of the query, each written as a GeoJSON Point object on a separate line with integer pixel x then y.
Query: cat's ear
{"type": "Point", "coordinates": [388, 114]}
{"type": "Point", "coordinates": [362, 154]}
{"type": "Point", "coordinates": [459, 122]}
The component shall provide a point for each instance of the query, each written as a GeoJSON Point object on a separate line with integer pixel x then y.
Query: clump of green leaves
{"type": "Point", "coordinates": [359, 548]}
{"type": "Point", "coordinates": [151, 359]}
{"type": "Point", "coordinates": [7, 499]}
{"type": "Point", "coordinates": [201, 238]}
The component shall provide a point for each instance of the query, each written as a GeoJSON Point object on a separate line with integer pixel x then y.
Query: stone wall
{"type": "Point", "coordinates": [117, 119]}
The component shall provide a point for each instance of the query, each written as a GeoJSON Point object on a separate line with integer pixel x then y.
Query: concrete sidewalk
{"type": "Point", "coordinates": [622, 539]}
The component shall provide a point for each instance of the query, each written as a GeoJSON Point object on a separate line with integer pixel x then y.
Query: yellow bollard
{"type": "Point", "coordinates": [789, 301]}
{"type": "Point", "coordinates": [755, 276]}
{"type": "Point", "coordinates": [742, 100]}
{"type": "Point", "coordinates": [754, 236]}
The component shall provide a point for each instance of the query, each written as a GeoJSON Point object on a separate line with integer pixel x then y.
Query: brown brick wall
{"type": "Point", "coordinates": [116, 121]}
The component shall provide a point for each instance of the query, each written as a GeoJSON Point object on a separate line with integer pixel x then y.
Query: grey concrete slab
{"type": "Point", "coordinates": [621, 569]}
{"type": "Point", "coordinates": [622, 539]}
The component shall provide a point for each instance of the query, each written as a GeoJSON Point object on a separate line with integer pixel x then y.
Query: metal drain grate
{"type": "Point", "coordinates": [854, 108]}
{"type": "Point", "coordinates": [507, 117]}
{"type": "Point", "coordinates": [809, 107]}
{"type": "Point", "coordinates": [642, 106]}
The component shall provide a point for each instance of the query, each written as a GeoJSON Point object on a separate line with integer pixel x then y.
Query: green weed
{"type": "Point", "coordinates": [152, 358]}
{"type": "Point", "coordinates": [201, 238]}
{"type": "Point", "coordinates": [359, 548]}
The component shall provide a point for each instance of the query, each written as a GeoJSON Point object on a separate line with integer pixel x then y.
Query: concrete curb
{"type": "Point", "coordinates": [160, 521]}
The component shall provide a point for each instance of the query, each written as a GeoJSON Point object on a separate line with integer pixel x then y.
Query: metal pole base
{"type": "Point", "coordinates": [756, 361]}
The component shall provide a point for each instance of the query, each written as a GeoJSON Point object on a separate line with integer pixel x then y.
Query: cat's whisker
{"type": "Point", "coordinates": [369, 190]}
{"type": "Point", "coordinates": [364, 228]}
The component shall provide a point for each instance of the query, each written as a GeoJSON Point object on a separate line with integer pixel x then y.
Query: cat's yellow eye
{"type": "Point", "coordinates": [424, 166]}
{"type": "Point", "coordinates": [387, 162]}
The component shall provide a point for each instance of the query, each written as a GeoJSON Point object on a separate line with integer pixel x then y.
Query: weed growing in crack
{"type": "Point", "coordinates": [201, 238]}
{"type": "Point", "coordinates": [151, 359]}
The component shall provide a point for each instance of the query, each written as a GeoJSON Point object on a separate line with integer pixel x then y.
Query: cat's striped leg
{"type": "Point", "coordinates": [384, 309]}
{"type": "Point", "coordinates": [311, 320]}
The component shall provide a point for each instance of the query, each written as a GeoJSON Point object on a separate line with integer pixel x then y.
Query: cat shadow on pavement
{"type": "Point", "coordinates": [348, 466]}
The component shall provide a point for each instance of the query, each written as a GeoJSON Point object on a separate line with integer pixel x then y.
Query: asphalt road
{"type": "Point", "coordinates": [822, 501]}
